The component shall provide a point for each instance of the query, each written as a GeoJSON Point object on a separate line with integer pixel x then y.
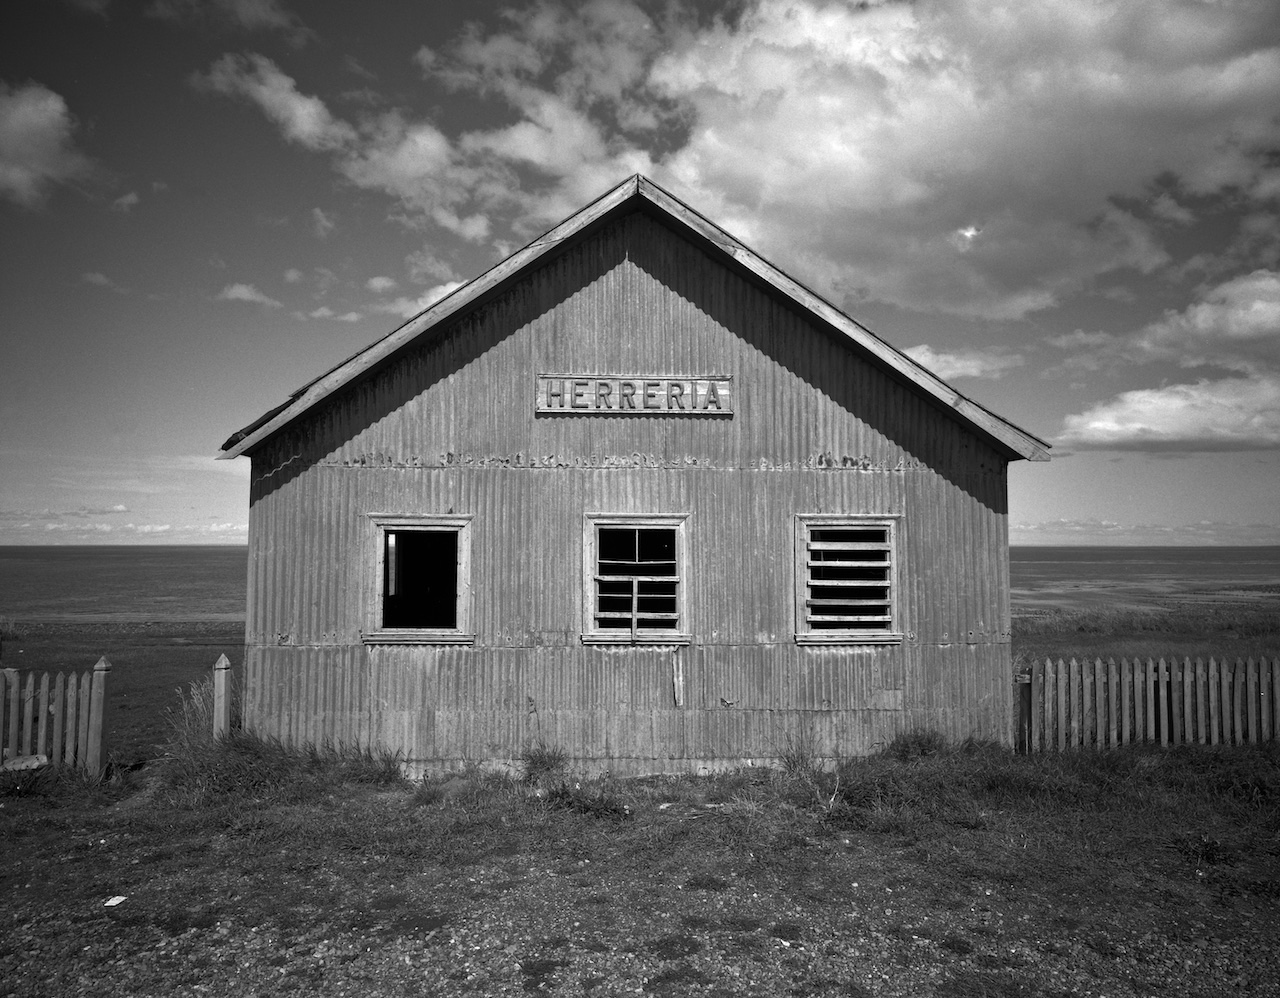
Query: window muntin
{"type": "Point", "coordinates": [423, 593]}
{"type": "Point", "coordinates": [845, 580]}
{"type": "Point", "coordinates": [634, 584]}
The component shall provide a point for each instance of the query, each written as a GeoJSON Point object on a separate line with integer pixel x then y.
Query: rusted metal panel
{"type": "Point", "coordinates": [452, 429]}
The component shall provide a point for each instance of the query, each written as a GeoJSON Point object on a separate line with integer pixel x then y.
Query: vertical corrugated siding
{"type": "Point", "coordinates": [450, 428]}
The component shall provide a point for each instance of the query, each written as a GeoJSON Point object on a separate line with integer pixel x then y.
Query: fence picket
{"type": "Point", "coordinates": [82, 720]}
{"type": "Point", "coordinates": [1224, 683]}
{"type": "Point", "coordinates": [1237, 702]}
{"type": "Point", "coordinates": [1202, 736]}
{"type": "Point", "coordinates": [1173, 718]}
{"type": "Point", "coordinates": [1264, 701]}
{"type": "Point", "coordinates": [1075, 703]}
{"type": "Point", "coordinates": [59, 717]}
{"type": "Point", "coordinates": [1086, 703]}
{"type": "Point", "coordinates": [4, 714]}
{"type": "Point", "coordinates": [1113, 695]}
{"type": "Point", "coordinates": [1275, 697]}
{"type": "Point", "coordinates": [1162, 699]}
{"type": "Point", "coordinates": [97, 716]}
{"type": "Point", "coordinates": [1151, 700]}
{"type": "Point", "coordinates": [42, 712]}
{"type": "Point", "coordinates": [1038, 714]}
{"type": "Point", "coordinates": [1215, 708]}
{"type": "Point", "coordinates": [1251, 678]}
{"type": "Point", "coordinates": [1060, 685]}
{"type": "Point", "coordinates": [69, 741]}
{"type": "Point", "coordinates": [1100, 705]}
{"type": "Point", "coordinates": [28, 712]}
{"type": "Point", "coordinates": [1126, 701]}
{"type": "Point", "coordinates": [1139, 701]}
{"type": "Point", "coordinates": [1188, 702]}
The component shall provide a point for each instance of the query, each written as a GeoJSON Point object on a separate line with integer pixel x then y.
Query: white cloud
{"type": "Point", "coordinates": [407, 308]}
{"type": "Point", "coordinates": [1233, 325]}
{"type": "Point", "coordinates": [972, 157]}
{"type": "Point", "coordinates": [380, 285]}
{"type": "Point", "coordinates": [965, 363]}
{"type": "Point", "coordinates": [292, 276]}
{"type": "Point", "coordinates": [1111, 532]}
{"type": "Point", "coordinates": [126, 202]}
{"type": "Point", "coordinates": [248, 293]}
{"type": "Point", "coordinates": [322, 222]}
{"type": "Point", "coordinates": [325, 312]}
{"type": "Point", "coordinates": [1228, 414]}
{"type": "Point", "coordinates": [248, 15]}
{"type": "Point", "coordinates": [302, 119]}
{"type": "Point", "coordinates": [424, 266]}
{"type": "Point", "coordinates": [1236, 323]}
{"type": "Point", "coordinates": [100, 280]}
{"type": "Point", "coordinates": [36, 147]}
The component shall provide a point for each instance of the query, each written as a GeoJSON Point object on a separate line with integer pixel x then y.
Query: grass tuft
{"type": "Point", "coordinates": [595, 802]}
{"type": "Point", "coordinates": [919, 743]}
{"type": "Point", "coordinates": [798, 752]}
{"type": "Point", "coordinates": [9, 630]}
{"type": "Point", "coordinates": [544, 763]}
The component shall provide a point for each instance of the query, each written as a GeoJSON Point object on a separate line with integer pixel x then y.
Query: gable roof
{"type": "Point", "coordinates": [640, 193]}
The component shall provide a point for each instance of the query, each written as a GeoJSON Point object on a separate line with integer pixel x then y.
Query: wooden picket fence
{"type": "Point", "coordinates": [1072, 705]}
{"type": "Point", "coordinates": [62, 720]}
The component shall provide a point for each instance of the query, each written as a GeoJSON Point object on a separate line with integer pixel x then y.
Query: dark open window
{"type": "Point", "coordinates": [845, 570]}
{"type": "Point", "coordinates": [423, 591]}
{"type": "Point", "coordinates": [420, 588]}
{"type": "Point", "coordinates": [635, 579]}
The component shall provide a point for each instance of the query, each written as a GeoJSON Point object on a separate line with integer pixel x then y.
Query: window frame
{"type": "Point", "coordinates": [591, 524]}
{"type": "Point", "coordinates": [805, 635]}
{"type": "Point", "coordinates": [462, 633]}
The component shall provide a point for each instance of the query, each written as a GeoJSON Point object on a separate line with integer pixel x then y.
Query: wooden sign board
{"type": "Point", "coordinates": [633, 395]}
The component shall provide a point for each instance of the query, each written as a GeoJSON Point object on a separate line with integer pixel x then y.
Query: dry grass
{"type": "Point", "coordinates": [1232, 630]}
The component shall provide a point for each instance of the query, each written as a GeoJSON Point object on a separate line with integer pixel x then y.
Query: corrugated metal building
{"type": "Point", "coordinates": [638, 494]}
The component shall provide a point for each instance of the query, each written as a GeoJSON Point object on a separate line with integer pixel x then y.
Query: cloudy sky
{"type": "Point", "coordinates": [1070, 210]}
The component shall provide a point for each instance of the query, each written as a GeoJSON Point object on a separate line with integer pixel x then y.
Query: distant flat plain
{"type": "Point", "coordinates": [1141, 578]}
{"type": "Point", "coordinates": [171, 584]}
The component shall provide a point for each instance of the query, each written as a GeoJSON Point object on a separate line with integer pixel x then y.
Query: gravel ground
{"type": "Point", "coordinates": [836, 914]}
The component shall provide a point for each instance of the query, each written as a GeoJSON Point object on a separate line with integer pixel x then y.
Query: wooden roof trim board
{"type": "Point", "coordinates": [1017, 442]}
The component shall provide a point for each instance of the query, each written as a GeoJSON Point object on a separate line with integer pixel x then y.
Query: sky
{"type": "Point", "coordinates": [1068, 210]}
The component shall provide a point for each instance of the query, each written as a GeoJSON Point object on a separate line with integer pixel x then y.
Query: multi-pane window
{"type": "Point", "coordinates": [845, 592]}
{"type": "Point", "coordinates": [424, 585]}
{"type": "Point", "coordinates": [635, 580]}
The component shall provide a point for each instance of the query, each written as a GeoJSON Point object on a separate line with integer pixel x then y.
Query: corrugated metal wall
{"type": "Point", "coordinates": [451, 428]}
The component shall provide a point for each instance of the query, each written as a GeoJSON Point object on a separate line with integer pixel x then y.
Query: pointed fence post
{"type": "Point", "coordinates": [11, 725]}
{"type": "Point", "coordinates": [221, 697]}
{"type": "Point", "coordinates": [97, 718]}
